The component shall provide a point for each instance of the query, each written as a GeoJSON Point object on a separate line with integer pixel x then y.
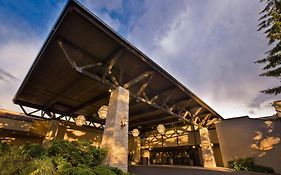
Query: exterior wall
{"type": "Point", "coordinates": [19, 139]}
{"type": "Point", "coordinates": [16, 125]}
{"type": "Point", "coordinates": [245, 137]}
{"type": "Point", "coordinates": [21, 132]}
{"type": "Point", "coordinates": [71, 132]}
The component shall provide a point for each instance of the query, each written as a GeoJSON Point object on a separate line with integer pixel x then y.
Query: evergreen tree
{"type": "Point", "coordinates": [270, 22]}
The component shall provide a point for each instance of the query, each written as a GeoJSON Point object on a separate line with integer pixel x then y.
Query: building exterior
{"type": "Point", "coordinates": [177, 146]}
{"type": "Point", "coordinates": [245, 137]}
{"type": "Point", "coordinates": [233, 138]}
{"type": "Point", "coordinates": [91, 84]}
{"type": "Point", "coordinates": [140, 113]}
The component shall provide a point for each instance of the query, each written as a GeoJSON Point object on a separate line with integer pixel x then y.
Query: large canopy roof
{"type": "Point", "coordinates": [83, 59]}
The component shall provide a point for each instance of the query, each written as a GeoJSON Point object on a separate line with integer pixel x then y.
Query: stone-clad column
{"type": "Point", "coordinates": [206, 147]}
{"type": "Point", "coordinates": [51, 133]}
{"type": "Point", "coordinates": [115, 136]}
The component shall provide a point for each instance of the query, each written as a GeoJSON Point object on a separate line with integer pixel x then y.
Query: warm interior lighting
{"type": "Point", "coordinates": [102, 112]}
{"type": "Point", "coordinates": [135, 132]}
{"type": "Point", "coordinates": [161, 129]}
{"type": "Point", "coordinates": [80, 120]}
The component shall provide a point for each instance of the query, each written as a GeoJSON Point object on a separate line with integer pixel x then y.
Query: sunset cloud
{"type": "Point", "coordinates": [210, 46]}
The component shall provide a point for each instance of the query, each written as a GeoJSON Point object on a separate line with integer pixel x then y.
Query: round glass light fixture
{"type": "Point", "coordinates": [135, 132]}
{"type": "Point", "coordinates": [161, 129]}
{"type": "Point", "coordinates": [80, 120]}
{"type": "Point", "coordinates": [102, 112]}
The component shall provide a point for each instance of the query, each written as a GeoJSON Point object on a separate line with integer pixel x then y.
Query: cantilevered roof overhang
{"type": "Point", "coordinates": [83, 59]}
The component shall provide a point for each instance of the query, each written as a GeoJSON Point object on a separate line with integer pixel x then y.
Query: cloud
{"type": "Point", "coordinates": [108, 5]}
{"type": "Point", "coordinates": [102, 8]}
{"type": "Point", "coordinates": [113, 23]}
{"type": "Point", "coordinates": [16, 56]}
{"type": "Point", "coordinates": [210, 47]}
{"type": "Point", "coordinates": [18, 48]}
{"type": "Point", "coordinates": [6, 76]}
{"type": "Point", "coordinates": [22, 33]}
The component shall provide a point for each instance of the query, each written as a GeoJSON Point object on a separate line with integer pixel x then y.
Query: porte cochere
{"type": "Point", "coordinates": [86, 69]}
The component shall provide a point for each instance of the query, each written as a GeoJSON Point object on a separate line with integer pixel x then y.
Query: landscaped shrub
{"type": "Point", "coordinates": [60, 158]}
{"type": "Point", "coordinates": [34, 150]}
{"type": "Point", "coordinates": [241, 164]}
{"type": "Point", "coordinates": [42, 166]}
{"type": "Point", "coordinates": [79, 170]}
{"type": "Point", "coordinates": [103, 170]}
{"type": "Point", "coordinates": [77, 152]}
{"type": "Point", "coordinates": [248, 164]}
{"type": "Point", "coordinates": [69, 152]}
{"type": "Point", "coordinates": [117, 171]}
{"type": "Point", "coordinates": [13, 159]}
{"type": "Point", "coordinates": [4, 147]}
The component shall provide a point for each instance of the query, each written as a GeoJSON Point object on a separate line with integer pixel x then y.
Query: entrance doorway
{"type": "Point", "coordinates": [185, 155]}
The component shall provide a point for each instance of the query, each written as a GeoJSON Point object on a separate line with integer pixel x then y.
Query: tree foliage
{"type": "Point", "coordinates": [60, 158]}
{"type": "Point", "coordinates": [270, 23]}
{"type": "Point", "coordinates": [248, 164]}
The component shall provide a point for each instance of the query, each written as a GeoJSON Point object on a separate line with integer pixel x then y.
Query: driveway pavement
{"type": "Point", "coordinates": [184, 170]}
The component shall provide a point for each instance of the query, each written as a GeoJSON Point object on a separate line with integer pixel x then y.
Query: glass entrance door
{"type": "Point", "coordinates": [175, 156]}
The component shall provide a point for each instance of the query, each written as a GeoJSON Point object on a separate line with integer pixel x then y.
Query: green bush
{"type": "Point", "coordinates": [43, 166]}
{"type": "Point", "coordinates": [118, 171]}
{"type": "Point", "coordinates": [79, 170]}
{"type": "Point", "coordinates": [248, 164]}
{"type": "Point", "coordinates": [103, 170]}
{"type": "Point", "coordinates": [13, 159]}
{"type": "Point", "coordinates": [77, 152]}
{"type": "Point", "coordinates": [62, 157]}
{"type": "Point", "coordinates": [34, 150]}
{"type": "Point", "coordinates": [241, 164]}
{"type": "Point", "coordinates": [4, 147]}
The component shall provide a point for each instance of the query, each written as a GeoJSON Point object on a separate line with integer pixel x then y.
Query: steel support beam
{"type": "Point", "coordinates": [140, 95]}
{"type": "Point", "coordinates": [91, 101]}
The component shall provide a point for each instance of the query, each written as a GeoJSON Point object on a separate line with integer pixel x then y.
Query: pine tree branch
{"type": "Point", "coordinates": [273, 91]}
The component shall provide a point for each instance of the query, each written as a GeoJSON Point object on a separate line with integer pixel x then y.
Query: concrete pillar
{"type": "Point", "coordinates": [136, 150]}
{"type": "Point", "coordinates": [115, 136]}
{"type": "Point", "coordinates": [51, 133]}
{"type": "Point", "coordinates": [206, 149]}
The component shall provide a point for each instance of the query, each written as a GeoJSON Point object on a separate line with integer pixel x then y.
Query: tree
{"type": "Point", "coordinates": [270, 21]}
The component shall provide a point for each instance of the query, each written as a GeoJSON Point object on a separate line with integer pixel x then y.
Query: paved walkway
{"type": "Point", "coordinates": [184, 170]}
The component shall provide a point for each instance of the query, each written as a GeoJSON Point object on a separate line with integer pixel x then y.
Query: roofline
{"type": "Point", "coordinates": [47, 40]}
{"type": "Point", "coordinates": [247, 117]}
{"type": "Point", "coordinates": [126, 42]}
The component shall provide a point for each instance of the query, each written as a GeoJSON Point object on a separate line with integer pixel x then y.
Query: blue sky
{"type": "Point", "coordinates": [210, 46]}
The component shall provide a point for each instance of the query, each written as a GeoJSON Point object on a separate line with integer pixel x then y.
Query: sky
{"type": "Point", "coordinates": [208, 45]}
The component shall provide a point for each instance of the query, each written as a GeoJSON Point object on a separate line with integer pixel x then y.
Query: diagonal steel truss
{"type": "Point", "coordinates": [112, 77]}
{"type": "Point", "coordinates": [47, 115]}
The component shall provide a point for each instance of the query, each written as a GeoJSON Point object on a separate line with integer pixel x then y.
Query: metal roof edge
{"type": "Point", "coordinates": [107, 27]}
{"type": "Point", "coordinates": [162, 71]}
{"type": "Point", "coordinates": [47, 40]}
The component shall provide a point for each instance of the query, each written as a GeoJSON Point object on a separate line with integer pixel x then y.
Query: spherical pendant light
{"type": "Point", "coordinates": [135, 132]}
{"type": "Point", "coordinates": [161, 129]}
{"type": "Point", "coordinates": [80, 120]}
{"type": "Point", "coordinates": [102, 112]}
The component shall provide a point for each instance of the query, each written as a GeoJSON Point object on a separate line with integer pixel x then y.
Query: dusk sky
{"type": "Point", "coordinates": [208, 45]}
